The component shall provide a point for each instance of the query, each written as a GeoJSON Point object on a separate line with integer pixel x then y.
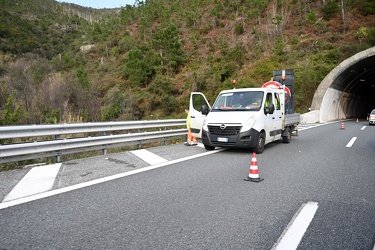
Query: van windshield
{"type": "Point", "coordinates": [239, 101]}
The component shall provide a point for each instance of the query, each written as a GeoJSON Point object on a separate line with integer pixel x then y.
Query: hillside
{"type": "Point", "coordinates": [65, 63]}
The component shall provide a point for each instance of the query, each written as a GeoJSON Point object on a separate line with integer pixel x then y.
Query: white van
{"type": "Point", "coordinates": [243, 118]}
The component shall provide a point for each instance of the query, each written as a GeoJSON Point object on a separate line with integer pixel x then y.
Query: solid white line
{"type": "Point", "coordinates": [148, 157]}
{"type": "Point", "coordinates": [37, 180]}
{"type": "Point", "coordinates": [351, 142]}
{"type": "Point", "coordinates": [315, 125]}
{"type": "Point", "coordinates": [297, 227]}
{"type": "Point", "coordinates": [97, 181]}
{"type": "Point", "coordinates": [311, 126]}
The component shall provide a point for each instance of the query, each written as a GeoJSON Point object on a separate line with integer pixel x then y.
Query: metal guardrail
{"type": "Point", "coordinates": [58, 146]}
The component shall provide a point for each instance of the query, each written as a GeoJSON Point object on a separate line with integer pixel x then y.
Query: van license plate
{"type": "Point", "coordinates": [222, 139]}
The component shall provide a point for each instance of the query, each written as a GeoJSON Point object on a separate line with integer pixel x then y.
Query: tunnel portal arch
{"type": "Point", "coordinates": [348, 91]}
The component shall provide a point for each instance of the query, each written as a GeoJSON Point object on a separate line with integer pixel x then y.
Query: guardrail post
{"type": "Point", "coordinates": [57, 152]}
{"type": "Point", "coordinates": [104, 150]}
{"type": "Point", "coordinates": [139, 145]}
{"type": "Point", "coordinates": [165, 138]}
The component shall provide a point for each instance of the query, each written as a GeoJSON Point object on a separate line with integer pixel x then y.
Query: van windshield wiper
{"type": "Point", "coordinates": [231, 109]}
{"type": "Point", "coordinates": [224, 109]}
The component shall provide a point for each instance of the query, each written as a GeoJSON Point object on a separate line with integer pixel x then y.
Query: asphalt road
{"type": "Point", "coordinates": [204, 203]}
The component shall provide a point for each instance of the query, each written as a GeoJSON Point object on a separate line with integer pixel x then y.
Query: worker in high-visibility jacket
{"type": "Point", "coordinates": [267, 103]}
{"type": "Point", "coordinates": [191, 140]}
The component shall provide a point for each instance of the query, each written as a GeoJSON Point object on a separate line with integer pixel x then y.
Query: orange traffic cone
{"type": "Point", "coordinates": [357, 120]}
{"type": "Point", "coordinates": [254, 174]}
{"type": "Point", "coordinates": [342, 125]}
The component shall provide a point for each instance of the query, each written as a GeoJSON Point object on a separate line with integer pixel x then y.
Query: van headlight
{"type": "Point", "coordinates": [248, 124]}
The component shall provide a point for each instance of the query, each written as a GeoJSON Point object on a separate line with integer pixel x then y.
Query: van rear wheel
{"type": "Point", "coordinates": [259, 147]}
{"type": "Point", "coordinates": [288, 137]}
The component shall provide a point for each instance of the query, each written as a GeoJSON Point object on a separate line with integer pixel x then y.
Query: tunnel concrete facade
{"type": "Point", "coordinates": [348, 91]}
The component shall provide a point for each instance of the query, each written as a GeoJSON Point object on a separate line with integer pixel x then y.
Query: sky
{"type": "Point", "coordinates": [99, 4]}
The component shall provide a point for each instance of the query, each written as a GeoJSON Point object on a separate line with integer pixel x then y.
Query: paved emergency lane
{"type": "Point", "coordinates": [204, 203]}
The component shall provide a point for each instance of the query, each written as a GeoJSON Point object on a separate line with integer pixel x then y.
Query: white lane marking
{"type": "Point", "coordinates": [297, 227]}
{"type": "Point", "coordinates": [37, 180]}
{"type": "Point", "coordinates": [302, 127]}
{"type": "Point", "coordinates": [148, 157]}
{"type": "Point", "coordinates": [351, 142]}
{"type": "Point", "coordinates": [363, 128]}
{"type": "Point", "coordinates": [101, 180]}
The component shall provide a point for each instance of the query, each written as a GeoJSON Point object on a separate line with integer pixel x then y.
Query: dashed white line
{"type": "Point", "coordinates": [148, 157]}
{"type": "Point", "coordinates": [363, 128]}
{"type": "Point", "coordinates": [37, 180]}
{"type": "Point", "coordinates": [297, 227]}
{"type": "Point", "coordinates": [351, 142]}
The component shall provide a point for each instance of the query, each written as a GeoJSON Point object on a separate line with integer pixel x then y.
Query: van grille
{"type": "Point", "coordinates": [229, 130]}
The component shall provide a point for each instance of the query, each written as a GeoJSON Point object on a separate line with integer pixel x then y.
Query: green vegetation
{"type": "Point", "coordinates": [65, 63]}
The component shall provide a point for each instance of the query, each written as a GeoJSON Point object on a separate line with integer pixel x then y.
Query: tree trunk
{"type": "Point", "coordinates": [343, 15]}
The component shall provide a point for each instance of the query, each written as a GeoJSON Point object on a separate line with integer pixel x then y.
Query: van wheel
{"type": "Point", "coordinates": [288, 137]}
{"type": "Point", "coordinates": [209, 147]}
{"type": "Point", "coordinates": [259, 147]}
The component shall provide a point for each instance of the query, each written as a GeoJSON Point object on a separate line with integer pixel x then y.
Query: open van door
{"type": "Point", "coordinates": [199, 108]}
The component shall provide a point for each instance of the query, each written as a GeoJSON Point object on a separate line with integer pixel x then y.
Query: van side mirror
{"type": "Point", "coordinates": [204, 109]}
{"type": "Point", "coordinates": [270, 109]}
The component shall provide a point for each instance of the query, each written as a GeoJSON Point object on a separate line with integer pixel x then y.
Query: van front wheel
{"type": "Point", "coordinates": [209, 147]}
{"type": "Point", "coordinates": [259, 147]}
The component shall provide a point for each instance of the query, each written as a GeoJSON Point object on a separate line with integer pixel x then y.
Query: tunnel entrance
{"type": "Point", "coordinates": [348, 91]}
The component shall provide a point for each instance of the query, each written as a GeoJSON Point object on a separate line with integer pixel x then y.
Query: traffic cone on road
{"type": "Point", "coordinates": [357, 120]}
{"type": "Point", "coordinates": [253, 173]}
{"type": "Point", "coordinates": [342, 125]}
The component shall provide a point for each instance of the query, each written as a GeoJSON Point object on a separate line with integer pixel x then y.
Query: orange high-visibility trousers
{"type": "Point", "coordinates": [191, 138]}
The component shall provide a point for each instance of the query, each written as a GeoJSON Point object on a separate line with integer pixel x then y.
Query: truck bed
{"type": "Point", "coordinates": [291, 119]}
